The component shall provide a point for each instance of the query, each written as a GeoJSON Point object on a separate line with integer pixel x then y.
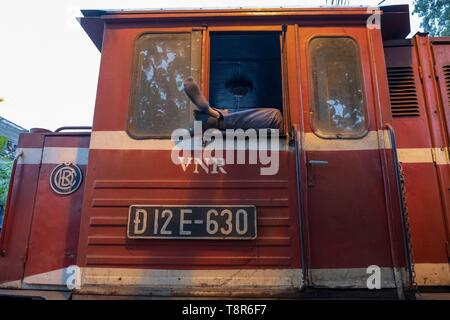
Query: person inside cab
{"type": "Point", "coordinates": [222, 119]}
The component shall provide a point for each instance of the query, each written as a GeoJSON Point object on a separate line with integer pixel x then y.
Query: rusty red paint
{"type": "Point", "coordinates": [349, 208]}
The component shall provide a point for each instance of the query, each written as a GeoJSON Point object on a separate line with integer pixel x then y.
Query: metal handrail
{"type": "Point", "coordinates": [73, 128]}
{"type": "Point", "coordinates": [406, 239]}
{"type": "Point", "coordinates": [8, 204]}
{"type": "Point", "coordinates": [297, 149]}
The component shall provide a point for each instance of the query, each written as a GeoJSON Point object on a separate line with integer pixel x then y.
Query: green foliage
{"type": "Point", "coordinates": [5, 169]}
{"type": "Point", "coordinates": [5, 175]}
{"type": "Point", "coordinates": [435, 14]}
{"type": "Point", "coordinates": [3, 142]}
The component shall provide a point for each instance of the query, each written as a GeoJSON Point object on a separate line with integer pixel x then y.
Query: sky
{"type": "Point", "coordinates": [49, 67]}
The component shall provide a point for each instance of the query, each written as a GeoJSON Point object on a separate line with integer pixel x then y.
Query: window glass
{"type": "Point", "coordinates": [338, 97]}
{"type": "Point", "coordinates": [158, 103]}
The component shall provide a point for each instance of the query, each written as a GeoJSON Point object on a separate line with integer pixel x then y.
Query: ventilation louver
{"type": "Point", "coordinates": [403, 91]}
{"type": "Point", "coordinates": [447, 81]}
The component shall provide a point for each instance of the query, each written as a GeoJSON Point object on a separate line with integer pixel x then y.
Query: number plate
{"type": "Point", "coordinates": [192, 222]}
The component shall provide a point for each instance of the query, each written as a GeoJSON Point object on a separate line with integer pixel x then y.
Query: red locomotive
{"type": "Point", "coordinates": [361, 189]}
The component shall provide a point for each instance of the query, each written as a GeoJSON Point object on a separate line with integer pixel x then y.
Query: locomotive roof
{"type": "Point", "coordinates": [394, 21]}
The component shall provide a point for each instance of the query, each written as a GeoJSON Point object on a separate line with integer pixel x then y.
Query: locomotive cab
{"type": "Point", "coordinates": [316, 207]}
{"type": "Point", "coordinates": [154, 222]}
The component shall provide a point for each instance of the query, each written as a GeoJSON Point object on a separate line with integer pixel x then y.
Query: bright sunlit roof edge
{"type": "Point", "coordinates": [230, 8]}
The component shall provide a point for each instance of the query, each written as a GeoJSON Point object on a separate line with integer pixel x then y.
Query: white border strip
{"type": "Point", "coordinates": [16, 284]}
{"type": "Point", "coordinates": [214, 279]}
{"type": "Point", "coordinates": [424, 155]}
{"type": "Point", "coordinates": [432, 274]}
{"type": "Point", "coordinates": [349, 278]}
{"type": "Point", "coordinates": [29, 155]}
{"type": "Point", "coordinates": [219, 279]}
{"type": "Point", "coordinates": [120, 140]}
{"type": "Point", "coordinates": [58, 155]}
{"type": "Point", "coordinates": [53, 155]}
{"type": "Point", "coordinates": [54, 277]}
{"type": "Point", "coordinates": [374, 140]}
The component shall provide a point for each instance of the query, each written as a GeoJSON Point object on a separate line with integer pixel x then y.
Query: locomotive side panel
{"type": "Point", "coordinates": [357, 225]}
{"type": "Point", "coordinates": [422, 159]}
{"type": "Point", "coordinates": [54, 233]}
{"type": "Point", "coordinates": [441, 55]}
{"type": "Point", "coordinates": [19, 211]}
{"type": "Point", "coordinates": [124, 171]}
{"type": "Point", "coordinates": [41, 230]}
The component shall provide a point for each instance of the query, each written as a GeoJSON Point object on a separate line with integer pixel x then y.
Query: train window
{"type": "Point", "coordinates": [338, 104]}
{"type": "Point", "coordinates": [158, 104]}
{"type": "Point", "coordinates": [245, 70]}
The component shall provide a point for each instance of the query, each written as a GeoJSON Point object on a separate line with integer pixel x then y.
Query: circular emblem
{"type": "Point", "coordinates": [66, 178]}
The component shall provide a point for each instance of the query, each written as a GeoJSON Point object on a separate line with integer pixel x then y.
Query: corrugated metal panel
{"type": "Point", "coordinates": [403, 91]}
{"type": "Point", "coordinates": [106, 244]}
{"type": "Point", "coordinates": [447, 80]}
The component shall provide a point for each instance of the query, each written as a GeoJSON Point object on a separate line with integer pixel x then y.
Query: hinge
{"type": "Point", "coordinates": [433, 155]}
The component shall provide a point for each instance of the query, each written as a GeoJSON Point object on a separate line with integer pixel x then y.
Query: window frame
{"type": "Point", "coordinates": [135, 72]}
{"type": "Point", "coordinates": [204, 68]}
{"type": "Point", "coordinates": [276, 28]}
{"type": "Point", "coordinates": [312, 107]}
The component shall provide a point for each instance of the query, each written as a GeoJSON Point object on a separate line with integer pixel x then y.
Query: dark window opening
{"type": "Point", "coordinates": [245, 70]}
